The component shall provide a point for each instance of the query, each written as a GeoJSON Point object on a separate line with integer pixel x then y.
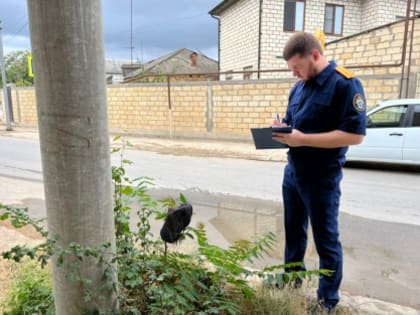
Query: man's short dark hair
{"type": "Point", "coordinates": [301, 44]}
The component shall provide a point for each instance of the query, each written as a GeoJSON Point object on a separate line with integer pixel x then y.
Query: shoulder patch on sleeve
{"type": "Point", "coordinates": [348, 74]}
{"type": "Point", "coordinates": [359, 102]}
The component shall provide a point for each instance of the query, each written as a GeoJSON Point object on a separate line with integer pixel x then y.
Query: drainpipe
{"type": "Point", "coordinates": [407, 18]}
{"type": "Point", "coordinates": [218, 41]}
{"type": "Point", "coordinates": [209, 115]}
{"type": "Point", "coordinates": [259, 39]}
{"type": "Point", "coordinates": [170, 118]}
{"type": "Point", "coordinates": [413, 22]}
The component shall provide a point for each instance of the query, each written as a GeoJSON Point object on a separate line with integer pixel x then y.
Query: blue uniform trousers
{"type": "Point", "coordinates": [314, 194]}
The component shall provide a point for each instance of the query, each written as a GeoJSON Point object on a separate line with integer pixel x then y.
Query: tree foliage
{"type": "Point", "coordinates": [16, 63]}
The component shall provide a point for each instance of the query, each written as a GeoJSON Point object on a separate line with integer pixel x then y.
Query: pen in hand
{"type": "Point", "coordinates": [277, 121]}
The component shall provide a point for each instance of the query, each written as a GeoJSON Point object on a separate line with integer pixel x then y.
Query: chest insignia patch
{"type": "Point", "coordinates": [359, 103]}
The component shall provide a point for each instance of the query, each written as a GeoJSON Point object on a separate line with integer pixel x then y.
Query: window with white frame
{"type": "Point", "coordinates": [334, 16]}
{"type": "Point", "coordinates": [294, 15]}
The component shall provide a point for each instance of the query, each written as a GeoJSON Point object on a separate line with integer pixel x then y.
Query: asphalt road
{"type": "Point", "coordinates": [375, 194]}
{"type": "Point", "coordinates": [392, 196]}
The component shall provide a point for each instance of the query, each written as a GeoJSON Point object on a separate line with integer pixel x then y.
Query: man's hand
{"type": "Point", "coordinates": [277, 123]}
{"type": "Point", "coordinates": [293, 139]}
{"type": "Point", "coordinates": [326, 140]}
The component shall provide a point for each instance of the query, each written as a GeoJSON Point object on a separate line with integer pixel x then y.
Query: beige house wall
{"type": "Point", "coordinates": [239, 29]}
{"type": "Point", "coordinates": [380, 12]}
{"type": "Point", "coordinates": [274, 38]}
{"type": "Point", "coordinates": [239, 40]}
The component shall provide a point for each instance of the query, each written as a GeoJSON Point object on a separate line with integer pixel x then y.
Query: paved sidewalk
{"type": "Point", "coordinates": [178, 146]}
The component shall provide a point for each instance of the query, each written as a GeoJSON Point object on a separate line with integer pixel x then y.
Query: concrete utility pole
{"type": "Point", "coordinates": [4, 81]}
{"type": "Point", "coordinates": [67, 48]}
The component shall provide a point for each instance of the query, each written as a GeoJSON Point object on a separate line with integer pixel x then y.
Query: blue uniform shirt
{"type": "Point", "coordinates": [330, 101]}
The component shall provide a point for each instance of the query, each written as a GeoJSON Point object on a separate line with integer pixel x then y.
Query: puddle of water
{"type": "Point", "coordinates": [230, 218]}
{"type": "Point", "coordinates": [365, 242]}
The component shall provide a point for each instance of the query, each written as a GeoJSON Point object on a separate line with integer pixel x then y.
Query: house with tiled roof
{"type": "Point", "coordinates": [183, 65]}
{"type": "Point", "coordinates": [113, 70]}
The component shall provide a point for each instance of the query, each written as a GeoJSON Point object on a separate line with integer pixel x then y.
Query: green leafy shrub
{"type": "Point", "coordinates": [30, 291]}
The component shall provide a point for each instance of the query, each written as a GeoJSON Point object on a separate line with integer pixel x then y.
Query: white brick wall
{"type": "Point", "coordinates": [273, 37]}
{"type": "Point", "coordinates": [239, 28]}
{"type": "Point", "coordinates": [381, 12]}
{"type": "Point", "coordinates": [239, 37]}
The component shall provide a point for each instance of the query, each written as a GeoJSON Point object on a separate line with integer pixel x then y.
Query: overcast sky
{"type": "Point", "coordinates": [159, 27]}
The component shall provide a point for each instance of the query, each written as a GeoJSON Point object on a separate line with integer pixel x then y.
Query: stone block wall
{"type": "Point", "coordinates": [133, 107]}
{"type": "Point", "coordinates": [24, 106]}
{"type": "Point", "coordinates": [226, 109]}
{"type": "Point", "coordinates": [376, 58]}
{"type": "Point", "coordinates": [189, 107]}
{"type": "Point", "coordinates": [242, 105]}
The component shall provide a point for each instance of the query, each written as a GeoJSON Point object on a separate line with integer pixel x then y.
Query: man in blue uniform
{"type": "Point", "coordinates": [327, 113]}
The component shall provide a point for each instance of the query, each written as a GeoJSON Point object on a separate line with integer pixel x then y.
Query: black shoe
{"type": "Point", "coordinates": [176, 221]}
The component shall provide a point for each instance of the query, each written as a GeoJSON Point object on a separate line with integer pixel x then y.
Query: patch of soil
{"type": "Point", "coordinates": [26, 231]}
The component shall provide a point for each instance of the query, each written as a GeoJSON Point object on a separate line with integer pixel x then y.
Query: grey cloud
{"type": "Point", "coordinates": [159, 26]}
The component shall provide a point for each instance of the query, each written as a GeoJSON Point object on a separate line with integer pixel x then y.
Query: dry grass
{"type": "Point", "coordinates": [6, 270]}
{"type": "Point", "coordinates": [286, 302]}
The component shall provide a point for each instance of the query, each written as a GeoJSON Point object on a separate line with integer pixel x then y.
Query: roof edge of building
{"type": "Point", "coordinates": [222, 6]}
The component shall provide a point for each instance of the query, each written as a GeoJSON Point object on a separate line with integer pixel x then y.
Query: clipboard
{"type": "Point", "coordinates": [287, 129]}
{"type": "Point", "coordinates": [263, 139]}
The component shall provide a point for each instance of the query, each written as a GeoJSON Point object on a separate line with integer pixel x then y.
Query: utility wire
{"type": "Point", "coordinates": [20, 29]}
